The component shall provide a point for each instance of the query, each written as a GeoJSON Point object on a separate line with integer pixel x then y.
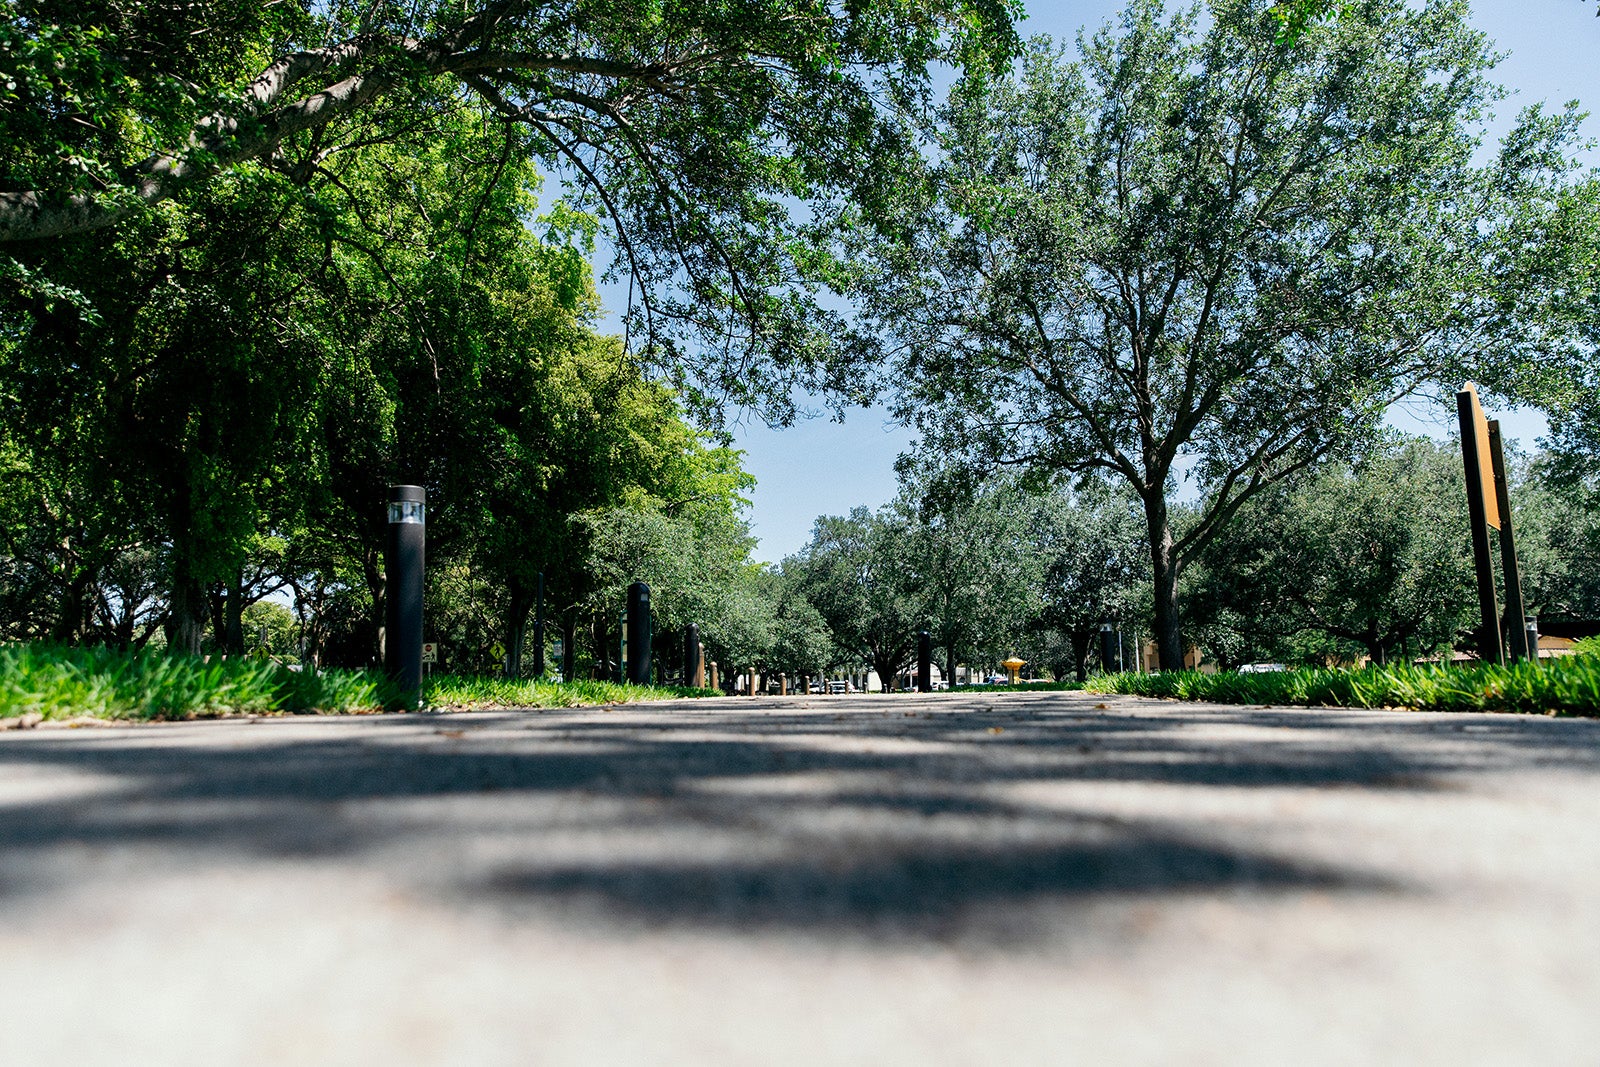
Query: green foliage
{"type": "Point", "coordinates": [1367, 557]}
{"type": "Point", "coordinates": [859, 574]}
{"type": "Point", "coordinates": [1193, 254]}
{"type": "Point", "coordinates": [1565, 686]}
{"type": "Point", "coordinates": [718, 140]}
{"type": "Point", "coordinates": [1588, 647]}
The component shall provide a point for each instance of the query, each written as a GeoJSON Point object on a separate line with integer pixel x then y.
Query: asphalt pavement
{"type": "Point", "coordinates": [1015, 878]}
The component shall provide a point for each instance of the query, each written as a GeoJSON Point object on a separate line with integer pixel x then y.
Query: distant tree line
{"type": "Point", "coordinates": [1364, 559]}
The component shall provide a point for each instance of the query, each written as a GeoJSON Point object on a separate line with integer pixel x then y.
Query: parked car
{"type": "Point", "coordinates": [839, 687]}
{"type": "Point", "coordinates": [1261, 668]}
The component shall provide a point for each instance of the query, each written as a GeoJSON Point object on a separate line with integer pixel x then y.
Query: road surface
{"type": "Point", "coordinates": [1016, 878]}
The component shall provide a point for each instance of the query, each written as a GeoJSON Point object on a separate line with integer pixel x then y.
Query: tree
{"type": "Point", "coordinates": [1199, 255]}
{"type": "Point", "coordinates": [1371, 555]}
{"type": "Point", "coordinates": [1091, 546]}
{"type": "Point", "coordinates": [968, 553]}
{"type": "Point", "coordinates": [860, 577]}
{"type": "Point", "coordinates": [1556, 511]}
{"type": "Point", "coordinates": [716, 137]}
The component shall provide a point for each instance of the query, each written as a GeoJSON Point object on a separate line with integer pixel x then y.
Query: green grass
{"type": "Point", "coordinates": [59, 683]}
{"type": "Point", "coordinates": [1029, 687]}
{"type": "Point", "coordinates": [1566, 686]}
{"type": "Point", "coordinates": [456, 691]}
{"type": "Point", "coordinates": [54, 682]}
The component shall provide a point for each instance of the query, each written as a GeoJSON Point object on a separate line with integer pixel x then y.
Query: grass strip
{"type": "Point", "coordinates": [1023, 687]}
{"type": "Point", "coordinates": [1566, 686]}
{"type": "Point", "coordinates": [466, 692]}
{"type": "Point", "coordinates": [42, 682]}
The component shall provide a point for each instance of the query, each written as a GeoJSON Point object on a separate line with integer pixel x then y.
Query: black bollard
{"type": "Point", "coordinates": [924, 662]}
{"type": "Point", "coordinates": [637, 668]}
{"type": "Point", "coordinates": [403, 565]}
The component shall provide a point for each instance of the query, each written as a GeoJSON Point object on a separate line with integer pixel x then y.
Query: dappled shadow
{"type": "Point", "coordinates": [876, 819]}
{"type": "Point", "coordinates": [974, 889]}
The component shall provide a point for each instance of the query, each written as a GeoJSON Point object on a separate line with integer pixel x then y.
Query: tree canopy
{"type": "Point", "coordinates": [1195, 254]}
{"type": "Point", "coordinates": [717, 137]}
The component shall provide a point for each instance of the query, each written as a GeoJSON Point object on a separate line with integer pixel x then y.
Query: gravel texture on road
{"type": "Point", "coordinates": [1017, 878]}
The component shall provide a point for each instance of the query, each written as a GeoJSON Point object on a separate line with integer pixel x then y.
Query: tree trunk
{"type": "Point", "coordinates": [1080, 652]}
{"type": "Point", "coordinates": [69, 623]}
{"type": "Point", "coordinates": [569, 639]}
{"type": "Point", "coordinates": [519, 603]}
{"type": "Point", "coordinates": [233, 615]}
{"type": "Point", "coordinates": [1164, 571]}
{"type": "Point", "coordinates": [187, 623]}
{"type": "Point", "coordinates": [375, 576]}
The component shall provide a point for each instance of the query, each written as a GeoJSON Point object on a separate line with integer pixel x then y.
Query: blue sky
{"type": "Point", "coordinates": [821, 467]}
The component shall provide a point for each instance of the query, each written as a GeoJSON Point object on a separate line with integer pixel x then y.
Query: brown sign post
{"type": "Point", "coordinates": [1516, 623]}
{"type": "Point", "coordinates": [1483, 511]}
{"type": "Point", "coordinates": [1489, 505]}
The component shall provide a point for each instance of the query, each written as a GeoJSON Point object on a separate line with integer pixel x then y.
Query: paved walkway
{"type": "Point", "coordinates": [1015, 878]}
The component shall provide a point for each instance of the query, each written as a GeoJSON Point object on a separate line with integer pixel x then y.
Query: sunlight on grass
{"type": "Point", "coordinates": [52, 682]}
{"type": "Point", "coordinates": [1566, 686]}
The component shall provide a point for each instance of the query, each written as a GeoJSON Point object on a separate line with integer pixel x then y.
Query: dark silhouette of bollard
{"type": "Point", "coordinates": [924, 663]}
{"type": "Point", "coordinates": [403, 566]}
{"type": "Point", "coordinates": [637, 668]}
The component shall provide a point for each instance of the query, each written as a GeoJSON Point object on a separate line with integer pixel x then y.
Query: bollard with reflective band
{"type": "Point", "coordinates": [403, 566]}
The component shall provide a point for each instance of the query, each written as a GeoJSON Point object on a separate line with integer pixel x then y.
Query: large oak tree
{"type": "Point", "coordinates": [1195, 254]}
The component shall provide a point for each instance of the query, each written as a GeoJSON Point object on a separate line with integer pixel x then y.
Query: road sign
{"type": "Point", "coordinates": [430, 652]}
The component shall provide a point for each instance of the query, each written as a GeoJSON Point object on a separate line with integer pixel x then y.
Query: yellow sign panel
{"type": "Point", "coordinates": [1480, 434]}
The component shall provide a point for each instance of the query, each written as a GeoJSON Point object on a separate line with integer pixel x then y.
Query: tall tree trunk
{"type": "Point", "coordinates": [69, 624]}
{"type": "Point", "coordinates": [1080, 652]}
{"type": "Point", "coordinates": [1169, 640]}
{"type": "Point", "coordinates": [187, 623]}
{"type": "Point", "coordinates": [372, 570]}
{"type": "Point", "coordinates": [233, 609]}
{"type": "Point", "coordinates": [518, 604]}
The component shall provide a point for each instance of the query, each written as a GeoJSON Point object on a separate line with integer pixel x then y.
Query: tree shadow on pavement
{"type": "Point", "coordinates": [879, 824]}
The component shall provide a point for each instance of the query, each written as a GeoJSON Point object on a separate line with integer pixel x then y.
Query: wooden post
{"type": "Point", "coordinates": [1516, 624]}
{"type": "Point", "coordinates": [752, 682]}
{"type": "Point", "coordinates": [1482, 512]}
{"type": "Point", "coordinates": [783, 684]}
{"type": "Point", "coordinates": [714, 684]}
{"type": "Point", "coordinates": [700, 669]}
